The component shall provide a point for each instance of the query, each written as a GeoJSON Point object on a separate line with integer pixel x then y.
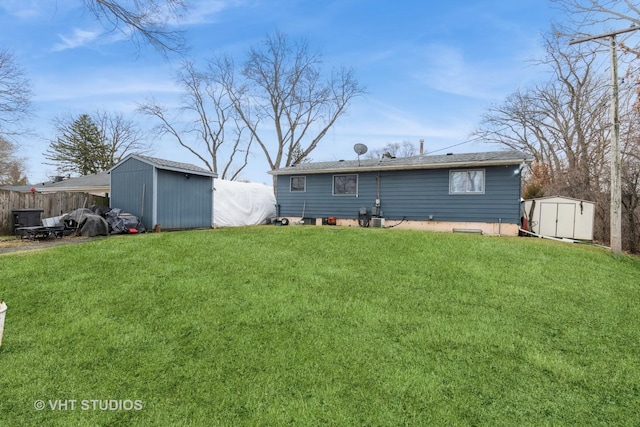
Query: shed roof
{"type": "Point", "coordinates": [169, 165]}
{"type": "Point", "coordinates": [550, 198]}
{"type": "Point", "coordinates": [444, 161]}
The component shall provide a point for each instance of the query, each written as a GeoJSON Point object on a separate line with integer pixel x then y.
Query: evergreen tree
{"type": "Point", "coordinates": [87, 145]}
{"type": "Point", "coordinates": [79, 147]}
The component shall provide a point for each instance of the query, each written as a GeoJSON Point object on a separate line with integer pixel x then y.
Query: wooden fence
{"type": "Point", "coordinates": [53, 204]}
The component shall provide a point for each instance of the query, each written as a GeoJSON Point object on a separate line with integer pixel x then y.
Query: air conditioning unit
{"type": "Point", "coordinates": [377, 222]}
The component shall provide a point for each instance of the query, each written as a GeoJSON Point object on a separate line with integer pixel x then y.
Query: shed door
{"type": "Point", "coordinates": [566, 220]}
{"type": "Point", "coordinates": [548, 219]}
{"type": "Point", "coordinates": [557, 219]}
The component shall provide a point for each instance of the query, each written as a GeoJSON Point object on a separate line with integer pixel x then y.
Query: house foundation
{"type": "Point", "coordinates": [486, 228]}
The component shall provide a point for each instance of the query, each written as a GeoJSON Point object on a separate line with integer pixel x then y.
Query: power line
{"type": "Point", "coordinates": [456, 145]}
{"type": "Point", "coordinates": [616, 173]}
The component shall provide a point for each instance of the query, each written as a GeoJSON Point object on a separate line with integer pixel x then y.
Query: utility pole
{"type": "Point", "coordinates": [616, 168]}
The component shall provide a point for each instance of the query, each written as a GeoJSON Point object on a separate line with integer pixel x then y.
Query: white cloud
{"type": "Point", "coordinates": [200, 12]}
{"type": "Point", "coordinates": [447, 69]}
{"type": "Point", "coordinates": [128, 84]}
{"type": "Point", "coordinates": [79, 38]}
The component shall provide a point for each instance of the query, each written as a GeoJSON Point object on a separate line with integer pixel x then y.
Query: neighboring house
{"type": "Point", "coordinates": [162, 192]}
{"type": "Point", "coordinates": [475, 191]}
{"type": "Point", "coordinates": [96, 184]}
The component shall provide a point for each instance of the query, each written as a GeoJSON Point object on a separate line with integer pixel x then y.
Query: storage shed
{"type": "Point", "coordinates": [162, 192]}
{"type": "Point", "coordinates": [561, 217]}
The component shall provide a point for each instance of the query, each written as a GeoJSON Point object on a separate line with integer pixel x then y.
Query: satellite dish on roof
{"type": "Point", "coordinates": [360, 149]}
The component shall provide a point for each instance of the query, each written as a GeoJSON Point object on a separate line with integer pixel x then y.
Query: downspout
{"type": "Point", "coordinates": [213, 196]}
{"type": "Point", "coordinates": [154, 195]}
{"type": "Point", "coordinates": [378, 201]}
{"type": "Point", "coordinates": [144, 187]}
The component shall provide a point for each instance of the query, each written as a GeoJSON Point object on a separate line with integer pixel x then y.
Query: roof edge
{"type": "Point", "coordinates": [163, 167]}
{"type": "Point", "coordinates": [379, 167]}
{"type": "Point", "coordinates": [559, 197]}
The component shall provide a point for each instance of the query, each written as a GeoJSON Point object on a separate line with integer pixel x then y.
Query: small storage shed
{"type": "Point", "coordinates": [162, 192]}
{"type": "Point", "coordinates": [560, 217]}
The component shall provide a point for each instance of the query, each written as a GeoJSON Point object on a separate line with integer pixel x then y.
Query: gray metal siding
{"type": "Point", "coordinates": [413, 194]}
{"type": "Point", "coordinates": [129, 180]}
{"type": "Point", "coordinates": [182, 202]}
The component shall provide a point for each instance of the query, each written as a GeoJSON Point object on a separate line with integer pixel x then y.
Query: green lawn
{"type": "Point", "coordinates": [320, 326]}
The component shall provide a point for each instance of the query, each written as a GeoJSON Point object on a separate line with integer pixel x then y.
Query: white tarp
{"type": "Point", "coordinates": [242, 203]}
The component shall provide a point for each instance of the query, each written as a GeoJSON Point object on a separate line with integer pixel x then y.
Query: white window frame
{"type": "Point", "coordinates": [333, 185]}
{"type": "Point", "coordinates": [467, 181]}
{"type": "Point", "coordinates": [304, 189]}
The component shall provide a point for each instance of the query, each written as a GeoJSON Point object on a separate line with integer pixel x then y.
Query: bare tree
{"type": "Point", "coordinates": [121, 136]}
{"type": "Point", "coordinates": [631, 204]}
{"type": "Point", "coordinates": [630, 182]}
{"type": "Point", "coordinates": [90, 144]}
{"type": "Point", "coordinates": [536, 181]}
{"type": "Point", "coordinates": [207, 119]}
{"type": "Point", "coordinates": [12, 169]}
{"type": "Point", "coordinates": [599, 15]}
{"type": "Point", "coordinates": [286, 100]}
{"type": "Point", "coordinates": [594, 16]}
{"type": "Point", "coordinates": [394, 149]}
{"type": "Point", "coordinates": [280, 99]}
{"type": "Point", "coordinates": [143, 20]}
{"type": "Point", "coordinates": [15, 95]}
{"type": "Point", "coordinates": [563, 123]}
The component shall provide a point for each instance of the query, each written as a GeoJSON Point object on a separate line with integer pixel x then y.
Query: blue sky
{"type": "Point", "coordinates": [431, 68]}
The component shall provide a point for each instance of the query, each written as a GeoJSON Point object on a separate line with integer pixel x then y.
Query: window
{"type": "Point", "coordinates": [298, 183]}
{"type": "Point", "coordinates": [345, 184]}
{"type": "Point", "coordinates": [466, 182]}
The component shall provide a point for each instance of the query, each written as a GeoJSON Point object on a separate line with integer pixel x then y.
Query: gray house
{"type": "Point", "coordinates": [162, 192]}
{"type": "Point", "coordinates": [475, 191]}
{"type": "Point", "coordinates": [96, 184]}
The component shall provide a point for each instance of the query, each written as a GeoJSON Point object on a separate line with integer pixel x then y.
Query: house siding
{"type": "Point", "coordinates": [414, 195]}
